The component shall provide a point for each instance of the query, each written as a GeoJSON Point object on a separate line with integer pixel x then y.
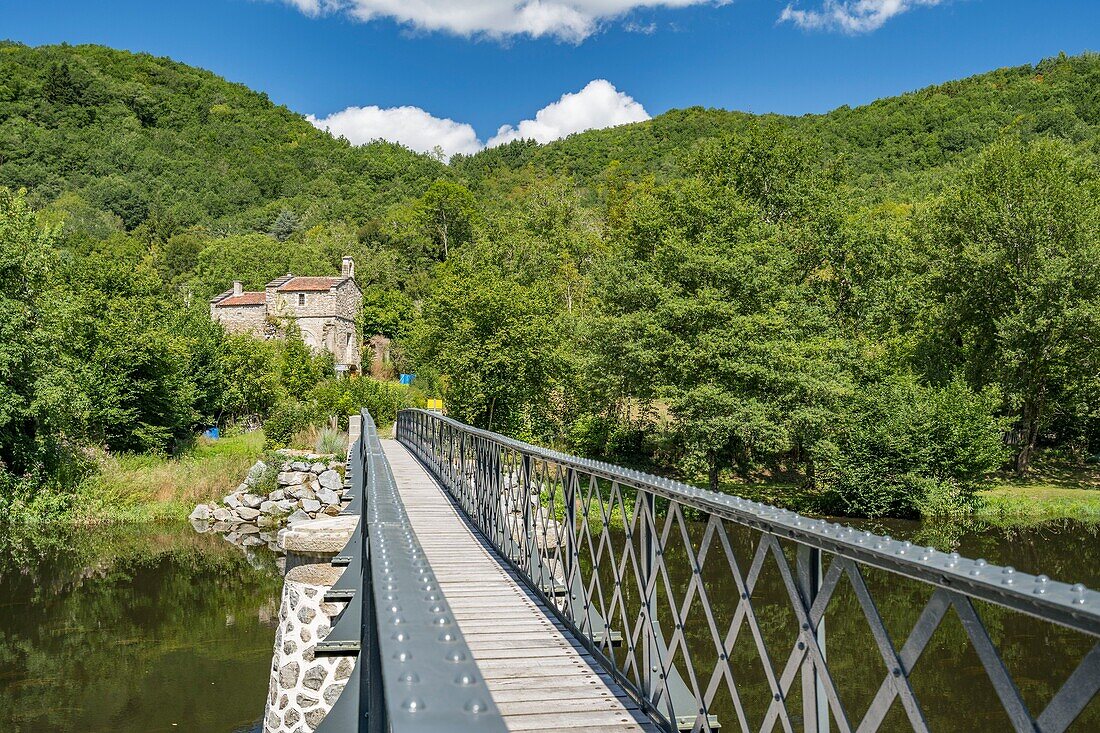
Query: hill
{"type": "Point", "coordinates": [904, 142]}
{"type": "Point", "coordinates": [159, 143]}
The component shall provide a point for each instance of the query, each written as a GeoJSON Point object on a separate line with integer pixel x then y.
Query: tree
{"type": "Point", "coordinates": [25, 254]}
{"type": "Point", "coordinates": [493, 340]}
{"type": "Point", "coordinates": [1019, 286]}
{"type": "Point", "coordinates": [285, 225]}
{"type": "Point", "coordinates": [300, 368]}
{"type": "Point", "coordinates": [447, 213]}
{"type": "Point", "coordinates": [704, 307]}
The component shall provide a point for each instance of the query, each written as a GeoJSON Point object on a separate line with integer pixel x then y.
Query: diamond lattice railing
{"type": "Point", "coordinates": [711, 610]}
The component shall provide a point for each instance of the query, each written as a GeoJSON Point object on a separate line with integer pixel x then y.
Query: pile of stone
{"type": "Point", "coordinates": [308, 487]}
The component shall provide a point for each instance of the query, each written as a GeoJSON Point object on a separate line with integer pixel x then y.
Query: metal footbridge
{"type": "Point", "coordinates": [497, 586]}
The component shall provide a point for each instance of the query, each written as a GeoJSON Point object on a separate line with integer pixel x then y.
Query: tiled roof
{"type": "Point", "coordinates": [279, 281]}
{"type": "Point", "coordinates": [309, 283]}
{"type": "Point", "coordinates": [242, 299]}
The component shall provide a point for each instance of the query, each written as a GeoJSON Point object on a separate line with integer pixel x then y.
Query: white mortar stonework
{"type": "Point", "coordinates": [303, 686]}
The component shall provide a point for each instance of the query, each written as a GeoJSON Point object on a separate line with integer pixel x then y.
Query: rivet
{"type": "Point", "coordinates": [456, 657]}
{"type": "Point", "coordinates": [413, 705]}
{"type": "Point", "coordinates": [409, 678]}
{"type": "Point", "coordinates": [466, 679]}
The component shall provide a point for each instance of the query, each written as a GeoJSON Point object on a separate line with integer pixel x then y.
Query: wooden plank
{"type": "Point", "coordinates": [540, 677]}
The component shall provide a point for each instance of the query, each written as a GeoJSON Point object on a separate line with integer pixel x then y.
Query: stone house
{"type": "Point", "coordinates": [326, 310]}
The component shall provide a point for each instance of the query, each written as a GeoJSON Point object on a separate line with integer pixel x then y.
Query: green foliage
{"type": "Point", "coordinates": [165, 146]}
{"type": "Point", "coordinates": [907, 448]}
{"type": "Point", "coordinates": [496, 339]}
{"type": "Point", "coordinates": [286, 420]}
{"type": "Point", "coordinates": [300, 368]}
{"type": "Point", "coordinates": [338, 398]}
{"type": "Point", "coordinates": [1018, 287]}
{"type": "Point", "coordinates": [250, 373]}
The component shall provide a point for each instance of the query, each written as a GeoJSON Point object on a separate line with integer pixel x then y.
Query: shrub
{"type": "Point", "coordinates": [907, 448]}
{"type": "Point", "coordinates": [338, 398]}
{"type": "Point", "coordinates": [331, 441]}
{"type": "Point", "coordinates": [285, 420]}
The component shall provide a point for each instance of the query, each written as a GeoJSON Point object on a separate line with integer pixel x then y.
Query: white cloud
{"type": "Point", "coordinates": [850, 16]}
{"type": "Point", "coordinates": [596, 106]}
{"type": "Point", "coordinates": [410, 126]}
{"type": "Point", "coordinates": [568, 20]}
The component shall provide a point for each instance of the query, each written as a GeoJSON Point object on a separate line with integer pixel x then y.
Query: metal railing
{"type": "Point", "coordinates": [414, 672]}
{"type": "Point", "coordinates": [689, 598]}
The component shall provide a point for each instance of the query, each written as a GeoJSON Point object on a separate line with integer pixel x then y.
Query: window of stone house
{"type": "Point", "coordinates": [301, 299]}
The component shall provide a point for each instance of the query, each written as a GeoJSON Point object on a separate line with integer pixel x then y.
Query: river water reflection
{"type": "Point", "coordinates": [133, 628]}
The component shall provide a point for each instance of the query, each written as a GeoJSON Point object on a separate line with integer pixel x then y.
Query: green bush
{"type": "Point", "coordinates": [907, 449]}
{"type": "Point", "coordinates": [284, 422]}
{"type": "Point", "coordinates": [338, 398]}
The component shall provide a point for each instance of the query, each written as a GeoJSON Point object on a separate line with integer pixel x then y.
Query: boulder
{"type": "Point", "coordinates": [299, 466]}
{"type": "Point", "coordinates": [318, 536]}
{"type": "Point", "coordinates": [318, 468]}
{"type": "Point", "coordinates": [311, 505]}
{"type": "Point", "coordinates": [252, 501]}
{"type": "Point", "coordinates": [277, 495]}
{"type": "Point", "coordinates": [267, 520]}
{"type": "Point", "coordinates": [271, 507]}
{"type": "Point", "coordinates": [328, 497]}
{"type": "Point", "coordinates": [302, 491]}
{"type": "Point", "coordinates": [200, 525]}
{"type": "Point", "coordinates": [297, 516]}
{"type": "Point", "coordinates": [291, 478]}
{"type": "Point", "coordinates": [221, 514]}
{"type": "Point", "coordinates": [286, 505]}
{"type": "Point", "coordinates": [248, 529]}
{"type": "Point", "coordinates": [232, 501]}
{"type": "Point", "coordinates": [221, 526]}
{"type": "Point", "coordinates": [332, 511]}
{"type": "Point", "coordinates": [330, 480]}
{"type": "Point", "coordinates": [248, 514]}
{"type": "Point", "coordinates": [201, 513]}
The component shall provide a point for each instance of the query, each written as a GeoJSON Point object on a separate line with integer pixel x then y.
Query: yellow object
{"type": "Point", "coordinates": [436, 405]}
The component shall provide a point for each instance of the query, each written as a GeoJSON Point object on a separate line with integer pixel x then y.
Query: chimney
{"type": "Point", "coordinates": [347, 267]}
{"type": "Point", "coordinates": [238, 289]}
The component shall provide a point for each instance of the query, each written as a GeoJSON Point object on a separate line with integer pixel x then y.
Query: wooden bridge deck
{"type": "Point", "coordinates": [539, 677]}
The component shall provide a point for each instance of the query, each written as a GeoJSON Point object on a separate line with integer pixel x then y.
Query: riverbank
{"type": "Point", "coordinates": [1052, 490]}
{"type": "Point", "coordinates": [140, 488]}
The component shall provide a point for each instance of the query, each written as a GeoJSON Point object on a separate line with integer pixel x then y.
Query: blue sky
{"type": "Point", "coordinates": [488, 63]}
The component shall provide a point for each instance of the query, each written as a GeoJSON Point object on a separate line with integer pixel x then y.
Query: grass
{"type": "Point", "coordinates": [147, 487]}
{"type": "Point", "coordinates": [1051, 491]}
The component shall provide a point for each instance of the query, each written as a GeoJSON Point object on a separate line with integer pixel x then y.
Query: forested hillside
{"type": "Point", "coordinates": [879, 306]}
{"type": "Point", "coordinates": [901, 142]}
{"type": "Point", "coordinates": [158, 144]}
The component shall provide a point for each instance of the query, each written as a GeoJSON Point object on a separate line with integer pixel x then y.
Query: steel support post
{"type": "Point", "coordinates": [815, 703]}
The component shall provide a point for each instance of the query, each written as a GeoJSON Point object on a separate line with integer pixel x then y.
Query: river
{"type": "Point", "coordinates": [157, 628]}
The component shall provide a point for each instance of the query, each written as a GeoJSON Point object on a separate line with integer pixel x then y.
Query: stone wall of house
{"type": "Point", "coordinates": [241, 318]}
{"type": "Point", "coordinates": [349, 301]}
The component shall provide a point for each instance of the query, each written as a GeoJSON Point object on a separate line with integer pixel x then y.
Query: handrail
{"type": "Point", "coordinates": [514, 491]}
{"type": "Point", "coordinates": [415, 672]}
